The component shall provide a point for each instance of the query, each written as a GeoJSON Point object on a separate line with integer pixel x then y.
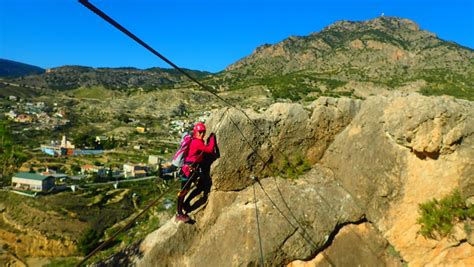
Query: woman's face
{"type": "Point", "coordinates": [200, 135]}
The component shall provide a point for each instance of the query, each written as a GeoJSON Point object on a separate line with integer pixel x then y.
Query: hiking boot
{"type": "Point", "coordinates": [182, 218]}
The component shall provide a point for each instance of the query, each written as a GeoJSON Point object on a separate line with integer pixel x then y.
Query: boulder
{"type": "Point", "coordinates": [371, 249]}
{"type": "Point", "coordinates": [400, 151]}
{"type": "Point", "coordinates": [252, 145]}
{"type": "Point", "coordinates": [226, 231]}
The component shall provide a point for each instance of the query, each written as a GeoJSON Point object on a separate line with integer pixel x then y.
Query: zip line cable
{"type": "Point", "coordinates": [278, 189]}
{"type": "Point", "coordinates": [97, 11]}
{"type": "Point", "coordinates": [262, 261]}
{"type": "Point", "coordinates": [114, 23]}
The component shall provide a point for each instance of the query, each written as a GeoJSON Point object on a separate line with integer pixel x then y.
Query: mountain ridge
{"type": "Point", "coordinates": [389, 52]}
{"type": "Point", "coordinates": [69, 77]}
{"type": "Point", "coordinates": [11, 68]}
{"type": "Point", "coordinates": [347, 58]}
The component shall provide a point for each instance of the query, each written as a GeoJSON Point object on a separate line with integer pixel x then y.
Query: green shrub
{"type": "Point", "coordinates": [439, 216]}
{"type": "Point", "coordinates": [290, 167]}
{"type": "Point", "coordinates": [11, 155]}
{"type": "Point", "coordinates": [88, 242]}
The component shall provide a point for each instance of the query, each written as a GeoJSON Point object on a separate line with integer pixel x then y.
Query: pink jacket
{"type": "Point", "coordinates": [197, 148]}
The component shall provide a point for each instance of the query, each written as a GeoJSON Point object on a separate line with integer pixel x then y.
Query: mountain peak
{"type": "Point", "coordinates": [385, 23]}
{"type": "Point", "coordinates": [391, 52]}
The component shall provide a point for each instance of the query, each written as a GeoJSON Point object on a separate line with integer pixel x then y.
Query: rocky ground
{"type": "Point", "coordinates": [373, 162]}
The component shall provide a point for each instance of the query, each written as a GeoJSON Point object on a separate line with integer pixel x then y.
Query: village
{"type": "Point", "coordinates": [38, 181]}
{"type": "Point", "coordinates": [34, 115]}
{"type": "Point", "coordinates": [61, 165]}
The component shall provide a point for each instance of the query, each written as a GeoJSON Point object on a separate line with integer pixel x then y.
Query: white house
{"type": "Point", "coordinates": [87, 169]}
{"type": "Point", "coordinates": [32, 181]}
{"type": "Point", "coordinates": [153, 160]}
{"type": "Point", "coordinates": [134, 170]}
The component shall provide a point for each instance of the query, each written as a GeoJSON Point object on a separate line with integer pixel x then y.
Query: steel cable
{"type": "Point", "coordinates": [206, 88]}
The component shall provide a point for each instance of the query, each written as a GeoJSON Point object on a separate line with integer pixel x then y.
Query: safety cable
{"type": "Point", "coordinates": [311, 242]}
{"type": "Point", "coordinates": [295, 227]}
{"type": "Point", "coordinates": [258, 226]}
{"type": "Point", "coordinates": [114, 23]}
{"type": "Point", "coordinates": [306, 236]}
{"type": "Point", "coordinates": [98, 248]}
{"type": "Point", "coordinates": [149, 48]}
{"type": "Point", "coordinates": [271, 170]}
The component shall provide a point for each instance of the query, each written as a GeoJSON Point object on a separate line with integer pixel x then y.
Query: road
{"type": "Point", "coordinates": [121, 181]}
{"type": "Point", "coordinates": [18, 85]}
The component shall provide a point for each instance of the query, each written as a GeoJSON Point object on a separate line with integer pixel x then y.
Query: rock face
{"type": "Point", "coordinates": [401, 151]}
{"type": "Point", "coordinates": [226, 233]}
{"type": "Point", "coordinates": [371, 249]}
{"type": "Point", "coordinates": [285, 131]}
{"type": "Point", "coordinates": [374, 162]}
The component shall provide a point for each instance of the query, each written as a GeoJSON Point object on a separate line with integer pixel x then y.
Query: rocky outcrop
{"type": "Point", "coordinates": [401, 151]}
{"type": "Point", "coordinates": [283, 132]}
{"type": "Point", "coordinates": [375, 161]}
{"type": "Point", "coordinates": [226, 230]}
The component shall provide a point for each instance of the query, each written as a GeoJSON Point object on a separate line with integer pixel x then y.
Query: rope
{"type": "Point", "coordinates": [306, 236]}
{"type": "Point", "coordinates": [98, 248]}
{"type": "Point", "coordinates": [282, 214]}
{"type": "Point", "coordinates": [272, 170]}
{"type": "Point", "coordinates": [206, 88]}
{"type": "Point", "coordinates": [153, 51]}
{"type": "Point", "coordinates": [258, 227]}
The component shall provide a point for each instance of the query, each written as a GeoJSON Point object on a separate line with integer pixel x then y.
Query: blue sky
{"type": "Point", "coordinates": [197, 34]}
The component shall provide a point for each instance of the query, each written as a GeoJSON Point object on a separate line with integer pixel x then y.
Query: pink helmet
{"type": "Point", "coordinates": [199, 127]}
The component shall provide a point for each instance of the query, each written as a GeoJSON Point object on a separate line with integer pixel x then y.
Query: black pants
{"type": "Point", "coordinates": [203, 182]}
{"type": "Point", "coordinates": [185, 186]}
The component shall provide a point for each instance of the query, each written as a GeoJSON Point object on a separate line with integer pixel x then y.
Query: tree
{"type": "Point", "coordinates": [76, 168]}
{"type": "Point", "coordinates": [10, 156]}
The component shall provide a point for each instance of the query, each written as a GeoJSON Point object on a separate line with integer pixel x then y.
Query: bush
{"type": "Point", "coordinates": [290, 167]}
{"type": "Point", "coordinates": [439, 216]}
{"type": "Point", "coordinates": [88, 242]}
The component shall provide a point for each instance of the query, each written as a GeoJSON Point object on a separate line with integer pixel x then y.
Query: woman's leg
{"type": "Point", "coordinates": [185, 185]}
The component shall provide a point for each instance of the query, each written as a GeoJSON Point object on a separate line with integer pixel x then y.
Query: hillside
{"type": "Point", "coordinates": [73, 77]}
{"type": "Point", "coordinates": [9, 68]}
{"type": "Point", "coordinates": [356, 58]}
{"type": "Point", "coordinates": [347, 58]}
